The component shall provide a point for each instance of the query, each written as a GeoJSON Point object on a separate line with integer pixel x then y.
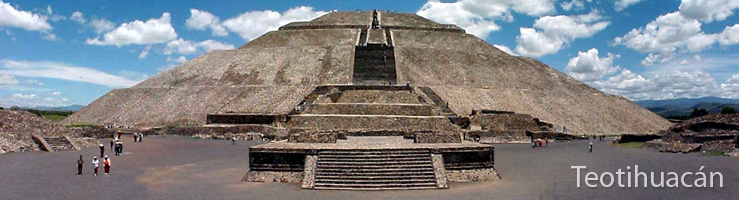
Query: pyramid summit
{"type": "Point", "coordinates": [388, 70]}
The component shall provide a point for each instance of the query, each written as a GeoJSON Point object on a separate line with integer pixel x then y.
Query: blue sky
{"type": "Point", "coordinates": [55, 53]}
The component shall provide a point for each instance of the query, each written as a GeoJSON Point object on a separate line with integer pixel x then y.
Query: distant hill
{"type": "Point", "coordinates": [683, 107]}
{"type": "Point", "coordinates": [61, 108]}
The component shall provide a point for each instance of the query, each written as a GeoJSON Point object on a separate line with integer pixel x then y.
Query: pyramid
{"type": "Point", "coordinates": [272, 74]}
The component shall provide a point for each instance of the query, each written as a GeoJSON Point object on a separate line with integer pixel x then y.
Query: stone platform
{"type": "Point", "coordinates": [371, 163]}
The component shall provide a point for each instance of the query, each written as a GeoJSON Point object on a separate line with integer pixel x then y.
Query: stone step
{"type": "Point", "coordinates": [375, 151]}
{"type": "Point", "coordinates": [377, 174]}
{"type": "Point", "coordinates": [377, 181]}
{"type": "Point", "coordinates": [383, 177]}
{"type": "Point", "coordinates": [394, 166]}
{"type": "Point", "coordinates": [337, 186]}
{"type": "Point", "coordinates": [379, 170]}
{"type": "Point", "coordinates": [387, 156]}
{"type": "Point", "coordinates": [371, 109]}
{"type": "Point", "coordinates": [375, 159]}
{"type": "Point", "coordinates": [324, 162]}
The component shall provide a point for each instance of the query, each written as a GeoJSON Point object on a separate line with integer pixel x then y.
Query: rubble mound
{"type": "Point", "coordinates": [17, 128]}
{"type": "Point", "coordinates": [715, 132]}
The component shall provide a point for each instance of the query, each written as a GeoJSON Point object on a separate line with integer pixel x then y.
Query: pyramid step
{"type": "Point", "coordinates": [377, 181]}
{"type": "Point", "coordinates": [359, 152]}
{"type": "Point", "coordinates": [394, 166]}
{"type": "Point", "coordinates": [363, 177]}
{"type": "Point", "coordinates": [376, 186]}
{"type": "Point", "coordinates": [323, 162]}
{"type": "Point", "coordinates": [374, 159]}
{"type": "Point", "coordinates": [377, 174]}
{"type": "Point", "coordinates": [345, 170]}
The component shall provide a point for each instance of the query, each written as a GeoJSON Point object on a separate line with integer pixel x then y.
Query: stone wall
{"type": "Point", "coordinates": [472, 175]}
{"type": "Point", "coordinates": [437, 138]}
{"type": "Point", "coordinates": [313, 137]}
{"type": "Point", "coordinates": [273, 176]}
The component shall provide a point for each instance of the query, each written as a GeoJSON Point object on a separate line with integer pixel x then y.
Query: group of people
{"type": "Point", "coordinates": [95, 164]}
{"type": "Point", "coordinates": [538, 142]}
{"type": "Point", "coordinates": [137, 137]}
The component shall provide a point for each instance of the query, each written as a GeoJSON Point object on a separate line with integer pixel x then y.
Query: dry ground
{"type": "Point", "coordinates": [177, 168]}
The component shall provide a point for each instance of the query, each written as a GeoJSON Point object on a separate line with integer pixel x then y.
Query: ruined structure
{"type": "Point", "coordinates": [368, 100]}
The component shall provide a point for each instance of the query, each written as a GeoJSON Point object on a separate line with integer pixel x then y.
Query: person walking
{"type": "Point", "coordinates": [80, 162]}
{"type": "Point", "coordinates": [233, 140]}
{"type": "Point", "coordinates": [102, 149]}
{"type": "Point", "coordinates": [141, 135]}
{"type": "Point", "coordinates": [95, 164]}
{"type": "Point", "coordinates": [135, 137]}
{"type": "Point", "coordinates": [591, 146]}
{"type": "Point", "coordinates": [106, 165]}
{"type": "Point", "coordinates": [119, 134]}
{"type": "Point", "coordinates": [112, 142]}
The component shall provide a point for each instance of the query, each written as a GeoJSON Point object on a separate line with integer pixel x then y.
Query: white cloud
{"type": "Point", "coordinates": [708, 11]}
{"type": "Point", "coordinates": [78, 17]}
{"type": "Point", "coordinates": [672, 32]}
{"type": "Point", "coordinates": [62, 71]}
{"type": "Point", "coordinates": [674, 84]}
{"type": "Point", "coordinates": [202, 20]}
{"type": "Point", "coordinates": [102, 25]}
{"type": "Point", "coordinates": [252, 24]}
{"type": "Point", "coordinates": [730, 35]}
{"type": "Point", "coordinates": [623, 4]}
{"type": "Point", "coordinates": [731, 86]}
{"type": "Point", "coordinates": [56, 93]}
{"type": "Point", "coordinates": [572, 5]}
{"type": "Point", "coordinates": [152, 31]}
{"type": "Point", "coordinates": [477, 16]}
{"type": "Point", "coordinates": [588, 67]}
{"type": "Point", "coordinates": [6, 79]}
{"type": "Point", "coordinates": [11, 17]}
{"type": "Point", "coordinates": [182, 46]}
{"type": "Point", "coordinates": [694, 59]}
{"type": "Point", "coordinates": [144, 52]}
{"type": "Point", "coordinates": [505, 49]}
{"type": "Point", "coordinates": [31, 100]}
{"type": "Point", "coordinates": [556, 31]}
{"type": "Point", "coordinates": [210, 45]}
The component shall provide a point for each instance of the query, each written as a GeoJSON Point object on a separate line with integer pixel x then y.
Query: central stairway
{"type": "Point", "coordinates": [374, 169]}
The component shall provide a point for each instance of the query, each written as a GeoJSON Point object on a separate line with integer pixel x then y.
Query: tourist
{"type": "Point", "coordinates": [591, 146]}
{"type": "Point", "coordinates": [135, 137]}
{"type": "Point", "coordinates": [102, 149]}
{"type": "Point", "coordinates": [141, 135]}
{"type": "Point", "coordinates": [547, 141]}
{"type": "Point", "coordinates": [112, 142]}
{"type": "Point", "coordinates": [106, 165]}
{"type": "Point", "coordinates": [119, 134]}
{"type": "Point", "coordinates": [80, 162]}
{"type": "Point", "coordinates": [95, 164]}
{"type": "Point", "coordinates": [119, 148]}
{"type": "Point", "coordinates": [233, 140]}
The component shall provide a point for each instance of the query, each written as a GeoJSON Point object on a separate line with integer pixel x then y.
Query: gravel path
{"type": "Point", "coordinates": [177, 168]}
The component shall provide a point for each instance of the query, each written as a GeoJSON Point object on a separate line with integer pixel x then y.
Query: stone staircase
{"type": "Point", "coordinates": [375, 169]}
{"type": "Point", "coordinates": [54, 144]}
{"type": "Point", "coordinates": [374, 65]}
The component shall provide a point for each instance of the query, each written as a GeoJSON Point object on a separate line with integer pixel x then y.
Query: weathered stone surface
{"type": "Point", "coordinates": [505, 122]}
{"type": "Point", "coordinates": [309, 171]}
{"type": "Point", "coordinates": [274, 176]}
{"type": "Point", "coordinates": [313, 137]}
{"type": "Point", "coordinates": [437, 138]}
{"type": "Point", "coordinates": [498, 137]}
{"type": "Point", "coordinates": [472, 175]}
{"type": "Point", "coordinates": [439, 170]}
{"type": "Point", "coordinates": [17, 128]}
{"type": "Point", "coordinates": [275, 72]}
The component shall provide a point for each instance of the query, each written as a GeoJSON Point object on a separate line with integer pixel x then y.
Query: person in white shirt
{"type": "Point", "coordinates": [95, 164]}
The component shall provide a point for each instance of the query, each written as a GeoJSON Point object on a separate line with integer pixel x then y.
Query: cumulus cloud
{"type": "Point", "coordinates": [674, 84]}
{"type": "Point", "coordinates": [6, 79]}
{"type": "Point", "coordinates": [145, 52]}
{"type": "Point", "coordinates": [252, 24]}
{"type": "Point", "coordinates": [31, 100]}
{"type": "Point", "coordinates": [202, 20]}
{"type": "Point", "coordinates": [671, 32]}
{"type": "Point", "coordinates": [78, 17]}
{"type": "Point", "coordinates": [556, 31]}
{"type": "Point", "coordinates": [102, 25]}
{"type": "Point", "coordinates": [11, 17]}
{"type": "Point", "coordinates": [505, 49]}
{"type": "Point", "coordinates": [731, 86]}
{"type": "Point", "coordinates": [588, 67]}
{"type": "Point", "coordinates": [182, 46]}
{"type": "Point", "coordinates": [572, 5]}
{"type": "Point", "coordinates": [708, 11]}
{"type": "Point", "coordinates": [152, 31]}
{"type": "Point", "coordinates": [478, 17]}
{"type": "Point", "coordinates": [623, 4]}
{"type": "Point", "coordinates": [62, 71]}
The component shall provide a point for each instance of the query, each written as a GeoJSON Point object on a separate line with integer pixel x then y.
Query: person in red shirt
{"type": "Point", "coordinates": [106, 164]}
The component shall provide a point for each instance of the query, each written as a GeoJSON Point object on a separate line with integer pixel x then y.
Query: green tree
{"type": "Point", "coordinates": [698, 112]}
{"type": "Point", "coordinates": [728, 110]}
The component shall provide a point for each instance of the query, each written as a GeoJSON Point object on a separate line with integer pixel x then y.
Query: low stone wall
{"type": "Point", "coordinates": [718, 145]}
{"type": "Point", "coordinates": [498, 137]}
{"type": "Point", "coordinates": [370, 122]}
{"type": "Point", "coordinates": [270, 132]}
{"type": "Point", "coordinates": [273, 176]}
{"type": "Point", "coordinates": [315, 137]}
{"type": "Point", "coordinates": [437, 138]}
{"type": "Point", "coordinates": [472, 175]}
